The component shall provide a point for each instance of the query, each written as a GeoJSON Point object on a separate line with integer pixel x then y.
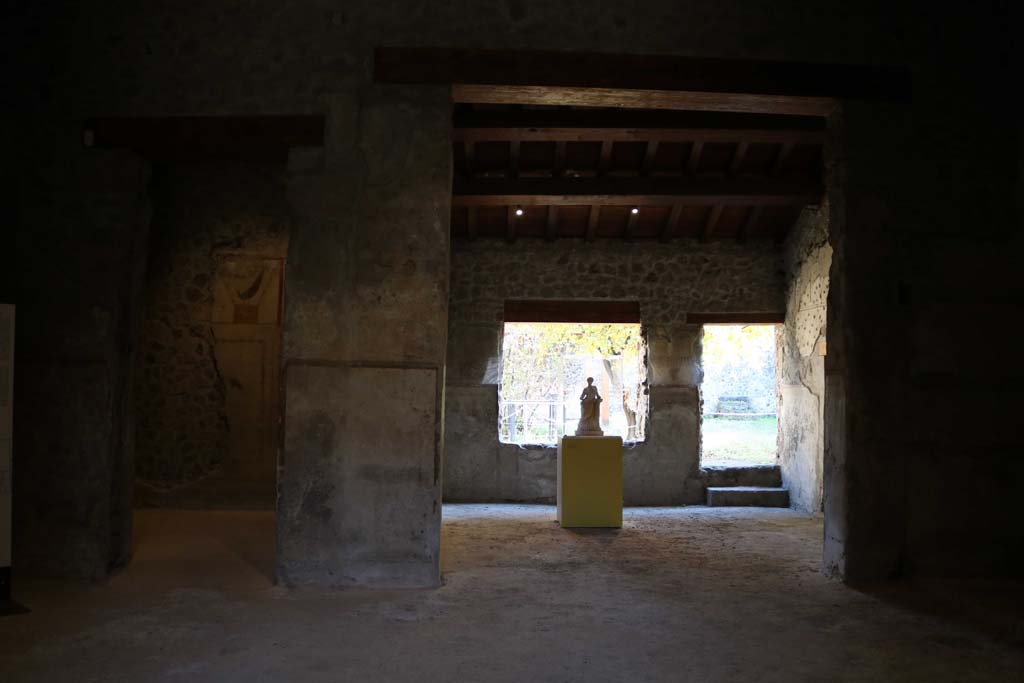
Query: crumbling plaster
{"type": "Point", "coordinates": [800, 357]}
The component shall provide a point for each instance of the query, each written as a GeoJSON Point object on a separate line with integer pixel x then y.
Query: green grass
{"type": "Point", "coordinates": [739, 442]}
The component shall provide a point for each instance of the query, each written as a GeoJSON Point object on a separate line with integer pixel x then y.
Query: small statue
{"type": "Point", "coordinates": [590, 411]}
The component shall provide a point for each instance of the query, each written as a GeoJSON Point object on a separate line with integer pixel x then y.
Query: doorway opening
{"type": "Point", "coordinates": [207, 395]}
{"type": "Point", "coordinates": [739, 416]}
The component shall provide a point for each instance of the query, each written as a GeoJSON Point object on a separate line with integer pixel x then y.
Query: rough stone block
{"type": "Point", "coordinates": [755, 475]}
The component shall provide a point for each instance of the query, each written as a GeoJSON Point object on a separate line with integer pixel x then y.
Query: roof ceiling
{"type": "Point", "coordinates": [637, 174]}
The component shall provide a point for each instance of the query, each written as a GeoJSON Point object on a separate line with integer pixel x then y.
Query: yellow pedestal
{"type": "Point", "coordinates": [590, 481]}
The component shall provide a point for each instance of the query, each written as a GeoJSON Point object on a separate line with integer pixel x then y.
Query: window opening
{"type": "Point", "coordinates": [545, 368]}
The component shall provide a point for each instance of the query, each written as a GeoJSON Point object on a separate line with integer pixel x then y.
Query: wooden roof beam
{"type": "Point", "coordinates": [649, 153]}
{"type": "Point", "coordinates": [552, 227]}
{"type": "Point", "coordinates": [595, 212]}
{"type": "Point", "coordinates": [563, 135]}
{"type": "Point", "coordinates": [694, 159]}
{"type": "Point", "coordinates": [641, 81]}
{"type": "Point", "coordinates": [748, 223]}
{"type": "Point", "coordinates": [708, 229]}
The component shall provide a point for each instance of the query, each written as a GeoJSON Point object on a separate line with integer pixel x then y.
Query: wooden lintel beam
{"type": "Point", "coordinates": [640, 81]}
{"type": "Point", "coordinates": [635, 192]}
{"type": "Point", "coordinates": [694, 159]}
{"type": "Point", "coordinates": [748, 223]}
{"type": "Point", "coordinates": [572, 311]}
{"type": "Point", "coordinates": [737, 318]}
{"type": "Point", "coordinates": [670, 227]}
{"type": "Point", "coordinates": [171, 139]}
{"type": "Point", "coordinates": [653, 135]}
{"type": "Point", "coordinates": [595, 212]}
{"type": "Point", "coordinates": [552, 227]}
{"type": "Point", "coordinates": [471, 227]}
{"type": "Point", "coordinates": [708, 229]}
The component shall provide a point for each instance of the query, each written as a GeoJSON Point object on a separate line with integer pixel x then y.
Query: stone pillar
{"type": "Point", "coordinates": [666, 470]}
{"type": "Point", "coordinates": [366, 308]}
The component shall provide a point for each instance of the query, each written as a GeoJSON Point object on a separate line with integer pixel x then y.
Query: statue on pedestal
{"type": "Point", "coordinates": [590, 411]}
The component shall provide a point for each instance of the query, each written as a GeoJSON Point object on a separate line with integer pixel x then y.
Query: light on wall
{"type": "Point", "coordinates": [635, 210]}
{"type": "Point", "coordinates": [519, 211]}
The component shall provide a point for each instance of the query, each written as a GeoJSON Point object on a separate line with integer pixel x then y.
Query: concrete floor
{"type": "Point", "coordinates": [677, 594]}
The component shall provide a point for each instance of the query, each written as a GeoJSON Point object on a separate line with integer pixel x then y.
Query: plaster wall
{"type": "Point", "coordinates": [800, 353]}
{"type": "Point", "coordinates": [668, 280]}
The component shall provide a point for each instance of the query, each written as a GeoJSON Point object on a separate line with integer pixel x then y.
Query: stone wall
{"type": "Point", "coordinates": [199, 211]}
{"type": "Point", "coordinates": [925, 199]}
{"type": "Point", "coordinates": [801, 349]}
{"type": "Point", "coordinates": [668, 280]}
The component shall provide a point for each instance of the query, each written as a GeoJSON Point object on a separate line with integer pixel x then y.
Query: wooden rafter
{"type": "Point", "coordinates": [708, 229]}
{"type": "Point", "coordinates": [513, 158]}
{"type": "Point", "coordinates": [738, 156]}
{"type": "Point", "coordinates": [694, 158]}
{"type": "Point", "coordinates": [748, 223]}
{"type": "Point", "coordinates": [780, 159]}
{"type": "Point", "coordinates": [671, 224]}
{"type": "Point", "coordinates": [559, 166]}
{"type": "Point", "coordinates": [552, 226]}
{"type": "Point", "coordinates": [649, 153]}
{"type": "Point", "coordinates": [595, 212]}
{"type": "Point", "coordinates": [606, 157]}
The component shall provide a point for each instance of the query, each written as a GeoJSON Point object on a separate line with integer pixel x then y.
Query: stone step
{"type": "Point", "coordinates": [753, 475]}
{"type": "Point", "coordinates": [748, 496]}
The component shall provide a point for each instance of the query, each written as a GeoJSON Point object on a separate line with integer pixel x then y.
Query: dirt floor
{"type": "Point", "coordinates": [677, 594]}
